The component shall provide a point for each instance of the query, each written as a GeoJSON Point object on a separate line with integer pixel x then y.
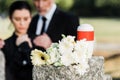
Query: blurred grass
{"type": "Point", "coordinates": [106, 29]}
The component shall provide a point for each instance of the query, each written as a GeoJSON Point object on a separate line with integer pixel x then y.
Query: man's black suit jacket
{"type": "Point", "coordinates": [61, 23]}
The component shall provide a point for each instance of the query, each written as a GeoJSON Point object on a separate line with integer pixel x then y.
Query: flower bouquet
{"type": "Point", "coordinates": [64, 53]}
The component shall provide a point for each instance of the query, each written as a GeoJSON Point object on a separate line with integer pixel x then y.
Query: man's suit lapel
{"type": "Point", "coordinates": [53, 22]}
{"type": "Point", "coordinates": [36, 22]}
{"type": "Point", "coordinates": [33, 25]}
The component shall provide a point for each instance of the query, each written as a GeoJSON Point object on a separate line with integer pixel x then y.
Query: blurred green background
{"type": "Point", "coordinates": [103, 15]}
{"type": "Point", "coordinates": [86, 8]}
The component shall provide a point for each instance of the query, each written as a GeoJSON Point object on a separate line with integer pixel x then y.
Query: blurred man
{"type": "Point", "coordinates": [54, 21]}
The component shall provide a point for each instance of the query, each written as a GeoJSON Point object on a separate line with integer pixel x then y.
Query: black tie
{"type": "Point", "coordinates": [43, 26]}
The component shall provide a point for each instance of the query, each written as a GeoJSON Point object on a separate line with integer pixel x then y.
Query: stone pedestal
{"type": "Point", "coordinates": [95, 72]}
{"type": "Point", "coordinates": [2, 66]}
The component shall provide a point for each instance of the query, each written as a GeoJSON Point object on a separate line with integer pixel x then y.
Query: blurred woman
{"type": "Point", "coordinates": [17, 48]}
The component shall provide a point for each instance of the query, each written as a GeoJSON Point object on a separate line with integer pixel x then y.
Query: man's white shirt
{"type": "Point", "coordinates": [48, 16]}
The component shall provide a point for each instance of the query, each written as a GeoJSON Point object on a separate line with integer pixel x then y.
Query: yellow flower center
{"type": "Point", "coordinates": [42, 57]}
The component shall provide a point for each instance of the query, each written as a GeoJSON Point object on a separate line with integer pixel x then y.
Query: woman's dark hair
{"type": "Point", "coordinates": [18, 5]}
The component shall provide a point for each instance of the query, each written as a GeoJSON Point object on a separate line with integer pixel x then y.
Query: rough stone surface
{"type": "Point", "coordinates": [95, 72]}
{"type": "Point", "coordinates": [2, 62]}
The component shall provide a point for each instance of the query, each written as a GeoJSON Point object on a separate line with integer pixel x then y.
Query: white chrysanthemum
{"type": "Point", "coordinates": [67, 59]}
{"type": "Point", "coordinates": [66, 44]}
{"type": "Point", "coordinates": [85, 46]}
{"type": "Point", "coordinates": [78, 57]}
{"type": "Point", "coordinates": [53, 53]}
{"type": "Point", "coordinates": [39, 58]}
{"type": "Point", "coordinates": [81, 68]}
{"type": "Point", "coordinates": [89, 48]}
{"type": "Point", "coordinates": [69, 39]}
{"type": "Point", "coordinates": [81, 46]}
{"type": "Point", "coordinates": [80, 50]}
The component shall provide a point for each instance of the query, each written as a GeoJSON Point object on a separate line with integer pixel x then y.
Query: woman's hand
{"type": "Point", "coordinates": [2, 43]}
{"type": "Point", "coordinates": [22, 39]}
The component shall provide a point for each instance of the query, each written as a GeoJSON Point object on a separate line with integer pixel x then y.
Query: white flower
{"type": "Point", "coordinates": [81, 68]}
{"type": "Point", "coordinates": [39, 58]}
{"type": "Point", "coordinates": [80, 51]}
{"type": "Point", "coordinates": [89, 48]}
{"type": "Point", "coordinates": [52, 51]}
{"type": "Point", "coordinates": [67, 59]}
{"type": "Point", "coordinates": [66, 44]}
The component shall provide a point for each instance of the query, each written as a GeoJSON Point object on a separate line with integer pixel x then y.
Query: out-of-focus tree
{"type": "Point", "coordinates": [4, 5]}
{"type": "Point", "coordinates": [83, 7]}
{"type": "Point", "coordinates": [108, 7]}
{"type": "Point", "coordinates": [97, 8]}
{"type": "Point", "coordinates": [113, 3]}
{"type": "Point", "coordinates": [65, 4]}
{"type": "Point", "coordinates": [79, 7]}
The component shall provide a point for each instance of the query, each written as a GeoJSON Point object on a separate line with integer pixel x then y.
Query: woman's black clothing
{"type": "Point", "coordinates": [18, 64]}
